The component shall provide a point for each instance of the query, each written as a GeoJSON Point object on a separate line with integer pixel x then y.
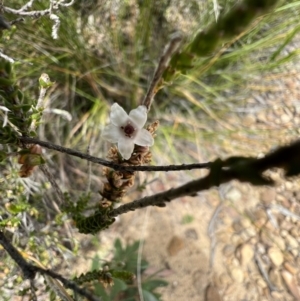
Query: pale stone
{"type": "Point", "coordinates": [250, 232]}
{"type": "Point", "coordinates": [247, 254]}
{"type": "Point", "coordinates": [285, 118]}
{"type": "Point", "coordinates": [291, 284]}
{"type": "Point", "coordinates": [268, 196]}
{"type": "Point", "coordinates": [276, 256]}
{"type": "Point", "coordinates": [291, 241]}
{"type": "Point", "coordinates": [295, 253]}
{"type": "Point", "coordinates": [276, 296]}
{"type": "Point", "coordinates": [234, 195]}
{"type": "Point", "coordinates": [228, 250]}
{"type": "Point", "coordinates": [279, 242]}
{"type": "Point", "coordinates": [275, 278]}
{"type": "Point", "coordinates": [261, 283]}
{"type": "Point", "coordinates": [236, 239]}
{"type": "Point", "coordinates": [246, 223]}
{"type": "Point", "coordinates": [237, 274]}
{"type": "Point", "coordinates": [224, 279]}
{"type": "Point", "coordinates": [289, 185]}
{"type": "Point", "coordinates": [292, 268]}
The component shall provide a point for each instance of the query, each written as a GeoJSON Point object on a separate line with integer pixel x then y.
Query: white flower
{"type": "Point", "coordinates": [127, 130]}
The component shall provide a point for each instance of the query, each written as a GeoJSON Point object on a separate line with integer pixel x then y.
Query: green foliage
{"type": "Point", "coordinates": [92, 224]}
{"type": "Point", "coordinates": [122, 268]}
{"type": "Point", "coordinates": [21, 110]}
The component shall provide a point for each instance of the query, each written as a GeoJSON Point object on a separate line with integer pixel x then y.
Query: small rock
{"type": "Point", "coordinates": [250, 232]}
{"type": "Point", "coordinates": [261, 117]}
{"type": "Point", "coordinates": [275, 278]}
{"type": "Point", "coordinates": [261, 283]}
{"type": "Point", "coordinates": [291, 241]}
{"type": "Point", "coordinates": [294, 252]}
{"type": "Point", "coordinates": [249, 120]}
{"type": "Point", "coordinates": [292, 268]}
{"type": "Point", "coordinates": [291, 283]}
{"type": "Point", "coordinates": [286, 226]}
{"type": "Point", "coordinates": [235, 262]}
{"type": "Point", "coordinates": [266, 238]}
{"type": "Point", "coordinates": [276, 256]}
{"type": "Point", "coordinates": [260, 218]}
{"type": "Point", "coordinates": [175, 245]}
{"type": "Point", "coordinates": [289, 186]}
{"type": "Point", "coordinates": [224, 279]}
{"type": "Point", "coordinates": [285, 118]}
{"type": "Point", "coordinates": [237, 274]}
{"type": "Point", "coordinates": [237, 226]}
{"type": "Point", "coordinates": [279, 242]}
{"type": "Point", "coordinates": [277, 296]}
{"type": "Point", "coordinates": [191, 233]}
{"type": "Point", "coordinates": [234, 195]}
{"type": "Point", "coordinates": [236, 239]}
{"type": "Point", "coordinates": [294, 232]}
{"type": "Point", "coordinates": [245, 222]}
{"type": "Point", "coordinates": [228, 250]}
{"type": "Point", "coordinates": [212, 294]}
{"type": "Point", "coordinates": [268, 196]}
{"type": "Point", "coordinates": [247, 253]}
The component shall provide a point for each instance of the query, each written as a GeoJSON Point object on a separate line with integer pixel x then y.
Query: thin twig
{"type": "Point", "coordinates": [286, 157]}
{"type": "Point", "coordinates": [212, 233]}
{"type": "Point", "coordinates": [164, 61]}
{"type": "Point", "coordinates": [29, 270]}
{"type": "Point", "coordinates": [263, 272]}
{"type": "Point", "coordinates": [113, 165]}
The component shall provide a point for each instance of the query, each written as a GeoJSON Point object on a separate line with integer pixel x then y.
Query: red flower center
{"type": "Point", "coordinates": [128, 129]}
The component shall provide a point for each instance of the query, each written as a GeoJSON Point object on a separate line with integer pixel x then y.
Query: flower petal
{"type": "Point", "coordinates": [144, 138]}
{"type": "Point", "coordinates": [118, 116]}
{"type": "Point", "coordinates": [125, 146]}
{"type": "Point", "coordinates": [111, 133]}
{"type": "Point", "coordinates": [139, 116]}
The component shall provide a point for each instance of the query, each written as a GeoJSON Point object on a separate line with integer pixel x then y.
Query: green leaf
{"type": "Point", "coordinates": [96, 263]}
{"type": "Point", "coordinates": [118, 287]}
{"type": "Point", "coordinates": [152, 284]}
{"type": "Point", "coordinates": [118, 246]}
{"type": "Point", "coordinates": [148, 296]}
